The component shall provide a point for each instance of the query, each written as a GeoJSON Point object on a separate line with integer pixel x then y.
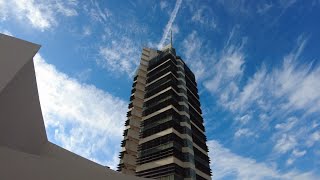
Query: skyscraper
{"type": "Point", "coordinates": [164, 133]}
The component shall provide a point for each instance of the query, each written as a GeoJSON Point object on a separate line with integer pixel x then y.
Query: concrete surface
{"type": "Point", "coordinates": [25, 152]}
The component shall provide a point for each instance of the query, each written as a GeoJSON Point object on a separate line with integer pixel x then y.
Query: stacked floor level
{"type": "Point", "coordinates": [171, 143]}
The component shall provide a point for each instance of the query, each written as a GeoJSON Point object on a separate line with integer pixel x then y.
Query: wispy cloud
{"type": "Point", "coordinates": [198, 55]}
{"type": "Point", "coordinates": [289, 137]}
{"type": "Point", "coordinates": [227, 71]}
{"type": "Point", "coordinates": [166, 30]}
{"type": "Point", "coordinates": [243, 132]}
{"type": "Point", "coordinates": [262, 84]}
{"type": "Point", "coordinates": [84, 75]}
{"type": "Point", "coordinates": [3, 10]}
{"type": "Point", "coordinates": [235, 6]}
{"type": "Point", "coordinates": [163, 4]}
{"type": "Point", "coordinates": [78, 116]}
{"type": "Point", "coordinates": [313, 138]}
{"type": "Point", "coordinates": [86, 31]}
{"type": "Point", "coordinates": [244, 119]}
{"type": "Point", "coordinates": [98, 13]}
{"type": "Point", "coordinates": [285, 143]}
{"type": "Point", "coordinates": [288, 125]}
{"type": "Point", "coordinates": [282, 99]}
{"type": "Point", "coordinates": [117, 47]}
{"type": "Point", "coordinates": [204, 17]}
{"type": "Point", "coordinates": [226, 164]}
{"type": "Point", "coordinates": [263, 8]}
{"type": "Point", "coordinates": [284, 5]}
{"type": "Point", "coordinates": [67, 7]}
{"type": "Point", "coordinates": [215, 69]}
{"type": "Point", "coordinates": [295, 154]}
{"type": "Point", "coordinates": [41, 15]}
{"type": "Point", "coordinates": [287, 3]}
{"type": "Point", "coordinates": [107, 20]}
{"type": "Point", "coordinates": [295, 85]}
{"type": "Point", "coordinates": [195, 57]}
{"type": "Point", "coordinates": [120, 56]}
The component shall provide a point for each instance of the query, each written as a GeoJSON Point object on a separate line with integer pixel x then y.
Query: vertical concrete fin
{"type": "Point", "coordinates": [14, 54]}
{"type": "Point", "coordinates": [21, 123]}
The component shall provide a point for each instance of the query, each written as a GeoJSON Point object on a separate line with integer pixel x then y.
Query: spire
{"type": "Point", "coordinates": [171, 38]}
{"type": "Point", "coordinates": [168, 46]}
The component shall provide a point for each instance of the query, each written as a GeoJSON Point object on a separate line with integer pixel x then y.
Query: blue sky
{"type": "Point", "coordinates": [256, 62]}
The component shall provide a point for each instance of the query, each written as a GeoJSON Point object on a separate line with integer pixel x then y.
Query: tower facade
{"type": "Point", "coordinates": [164, 134]}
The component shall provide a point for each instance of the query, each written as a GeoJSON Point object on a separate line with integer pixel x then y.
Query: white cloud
{"type": "Point", "coordinates": [287, 3]}
{"type": "Point", "coordinates": [220, 71]}
{"type": "Point", "coordinates": [226, 164]}
{"type": "Point", "coordinates": [285, 143]}
{"type": "Point", "coordinates": [227, 71]}
{"type": "Point", "coordinates": [290, 161]}
{"type": "Point", "coordinates": [100, 14]}
{"type": "Point", "coordinates": [3, 10]}
{"type": "Point", "coordinates": [294, 155]}
{"type": "Point", "coordinates": [264, 8]}
{"type": "Point", "coordinates": [192, 49]}
{"type": "Point", "coordinates": [284, 89]}
{"type": "Point", "coordinates": [313, 138]}
{"type": "Point", "coordinates": [287, 126]}
{"type": "Point", "coordinates": [117, 52]}
{"type": "Point", "coordinates": [86, 31]}
{"type": "Point", "coordinates": [80, 117]}
{"type": "Point", "coordinates": [120, 56]}
{"type": "Point", "coordinates": [272, 96]}
{"type": "Point", "coordinates": [284, 5]}
{"type": "Point", "coordinates": [84, 75]}
{"type": "Point", "coordinates": [163, 4]}
{"type": "Point", "coordinates": [130, 25]}
{"type": "Point", "coordinates": [251, 91]}
{"type": "Point", "coordinates": [244, 119]}
{"type": "Point", "coordinates": [202, 16]}
{"type": "Point", "coordinates": [40, 15]}
{"type": "Point", "coordinates": [298, 153]}
{"type": "Point", "coordinates": [294, 86]}
{"type": "Point", "coordinates": [243, 132]}
{"type": "Point", "coordinates": [67, 8]}
{"type": "Point", "coordinates": [290, 136]}
{"type": "Point", "coordinates": [192, 44]}
{"type": "Point", "coordinates": [235, 6]}
{"type": "Point", "coordinates": [167, 29]}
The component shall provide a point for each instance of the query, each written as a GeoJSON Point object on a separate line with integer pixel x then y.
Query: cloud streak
{"type": "Point", "coordinates": [169, 24]}
{"type": "Point", "coordinates": [204, 16]}
{"type": "Point", "coordinates": [227, 70]}
{"type": "Point", "coordinates": [226, 164]}
{"type": "Point", "coordinates": [284, 101]}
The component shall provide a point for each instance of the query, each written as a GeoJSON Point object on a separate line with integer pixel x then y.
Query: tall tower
{"type": "Point", "coordinates": [164, 136]}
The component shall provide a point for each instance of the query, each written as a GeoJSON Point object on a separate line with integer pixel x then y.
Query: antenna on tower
{"type": "Point", "coordinates": [171, 38]}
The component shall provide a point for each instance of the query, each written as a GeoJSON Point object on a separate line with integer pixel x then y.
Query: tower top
{"type": "Point", "coordinates": [168, 46]}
